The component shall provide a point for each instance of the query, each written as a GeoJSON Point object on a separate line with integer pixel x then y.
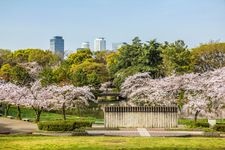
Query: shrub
{"type": "Point", "coordinates": [220, 123]}
{"type": "Point", "coordinates": [219, 127]}
{"type": "Point", "coordinates": [192, 124]}
{"type": "Point", "coordinates": [63, 125]}
{"type": "Point", "coordinates": [202, 124]}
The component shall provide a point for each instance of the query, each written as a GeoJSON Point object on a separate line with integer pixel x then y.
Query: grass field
{"type": "Point", "coordinates": [98, 143]}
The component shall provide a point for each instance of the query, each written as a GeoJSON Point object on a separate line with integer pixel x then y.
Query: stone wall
{"type": "Point", "coordinates": [140, 117]}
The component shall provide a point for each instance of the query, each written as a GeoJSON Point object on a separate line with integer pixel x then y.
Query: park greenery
{"type": "Point", "coordinates": [85, 67]}
{"type": "Point", "coordinates": [110, 143]}
{"type": "Point", "coordinates": [144, 73]}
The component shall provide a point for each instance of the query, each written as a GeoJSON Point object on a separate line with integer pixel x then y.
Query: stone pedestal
{"type": "Point", "coordinates": [212, 122]}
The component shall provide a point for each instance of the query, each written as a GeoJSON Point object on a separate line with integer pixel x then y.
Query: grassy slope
{"type": "Point", "coordinates": [45, 142]}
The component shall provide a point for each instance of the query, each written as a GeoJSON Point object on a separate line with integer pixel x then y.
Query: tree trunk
{"type": "Point", "coordinates": [38, 115]}
{"type": "Point", "coordinates": [64, 111]}
{"type": "Point", "coordinates": [196, 115]}
{"type": "Point", "coordinates": [7, 109]}
{"type": "Point", "coordinates": [38, 112]}
{"type": "Point", "coordinates": [18, 113]}
{"type": "Point", "coordinates": [78, 110]}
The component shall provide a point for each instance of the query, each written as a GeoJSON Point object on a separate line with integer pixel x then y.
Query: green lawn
{"type": "Point", "coordinates": [98, 143]}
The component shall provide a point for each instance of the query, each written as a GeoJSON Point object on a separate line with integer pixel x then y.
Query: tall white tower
{"type": "Point", "coordinates": [99, 44]}
{"type": "Point", "coordinates": [85, 45]}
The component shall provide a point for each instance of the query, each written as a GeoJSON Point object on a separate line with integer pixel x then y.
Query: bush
{"type": "Point", "coordinates": [219, 127]}
{"type": "Point", "coordinates": [220, 123]}
{"type": "Point", "coordinates": [202, 124]}
{"type": "Point", "coordinates": [63, 125]}
{"type": "Point", "coordinates": [192, 124]}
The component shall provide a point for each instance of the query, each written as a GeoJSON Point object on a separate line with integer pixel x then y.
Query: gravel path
{"type": "Point", "coordinates": [16, 126]}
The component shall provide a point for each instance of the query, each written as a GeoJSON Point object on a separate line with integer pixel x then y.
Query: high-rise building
{"type": "Point", "coordinates": [57, 46]}
{"type": "Point", "coordinates": [85, 45]}
{"type": "Point", "coordinates": [99, 44]}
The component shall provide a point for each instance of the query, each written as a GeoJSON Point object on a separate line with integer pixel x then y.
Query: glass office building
{"type": "Point", "coordinates": [57, 46]}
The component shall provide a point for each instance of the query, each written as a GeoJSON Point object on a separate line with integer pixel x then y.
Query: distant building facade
{"type": "Point", "coordinates": [99, 44]}
{"type": "Point", "coordinates": [57, 46]}
{"type": "Point", "coordinates": [79, 49]}
{"type": "Point", "coordinates": [85, 45]}
{"type": "Point", "coordinates": [116, 46]}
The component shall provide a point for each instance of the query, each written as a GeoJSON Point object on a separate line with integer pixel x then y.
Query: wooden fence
{"type": "Point", "coordinates": [142, 117]}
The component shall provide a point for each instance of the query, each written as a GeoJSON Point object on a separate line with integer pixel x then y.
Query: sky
{"type": "Point", "coordinates": [32, 23]}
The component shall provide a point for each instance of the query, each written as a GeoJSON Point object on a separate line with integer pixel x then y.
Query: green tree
{"type": "Point", "coordinates": [129, 54]}
{"type": "Point", "coordinates": [208, 57]}
{"type": "Point", "coordinates": [21, 56]}
{"type": "Point", "coordinates": [4, 56]}
{"type": "Point", "coordinates": [79, 77]}
{"type": "Point", "coordinates": [20, 76]}
{"type": "Point", "coordinates": [42, 57]}
{"type": "Point", "coordinates": [62, 73]}
{"type": "Point", "coordinates": [88, 71]}
{"type": "Point", "coordinates": [111, 63]}
{"type": "Point", "coordinates": [47, 76]}
{"type": "Point", "coordinates": [79, 56]}
{"type": "Point", "coordinates": [100, 56]}
{"type": "Point", "coordinates": [134, 58]}
{"type": "Point", "coordinates": [176, 58]}
{"type": "Point", "coordinates": [94, 79]}
{"type": "Point", "coordinates": [5, 72]}
{"type": "Point", "coordinates": [150, 55]}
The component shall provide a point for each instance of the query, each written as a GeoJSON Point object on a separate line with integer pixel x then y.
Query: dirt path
{"type": "Point", "coordinates": [16, 126]}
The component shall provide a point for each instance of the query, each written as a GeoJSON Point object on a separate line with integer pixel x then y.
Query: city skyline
{"type": "Point", "coordinates": [193, 21]}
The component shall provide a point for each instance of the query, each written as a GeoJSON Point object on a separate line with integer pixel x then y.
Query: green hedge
{"type": "Point", "coordinates": [63, 125]}
{"type": "Point", "coordinates": [219, 127]}
{"type": "Point", "coordinates": [192, 124]}
{"type": "Point", "coordinates": [202, 124]}
{"type": "Point", "coordinates": [199, 124]}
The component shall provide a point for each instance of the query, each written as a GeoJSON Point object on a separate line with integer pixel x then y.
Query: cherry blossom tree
{"type": "Point", "coordinates": [209, 87]}
{"type": "Point", "coordinates": [17, 96]}
{"type": "Point", "coordinates": [201, 93]}
{"type": "Point", "coordinates": [12, 94]}
{"type": "Point", "coordinates": [33, 69]}
{"type": "Point", "coordinates": [71, 97]}
{"type": "Point", "coordinates": [6, 89]}
{"type": "Point", "coordinates": [106, 87]}
{"type": "Point", "coordinates": [142, 90]}
{"type": "Point", "coordinates": [36, 97]}
{"type": "Point", "coordinates": [132, 83]}
{"type": "Point", "coordinates": [39, 98]}
{"type": "Point", "coordinates": [45, 98]}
